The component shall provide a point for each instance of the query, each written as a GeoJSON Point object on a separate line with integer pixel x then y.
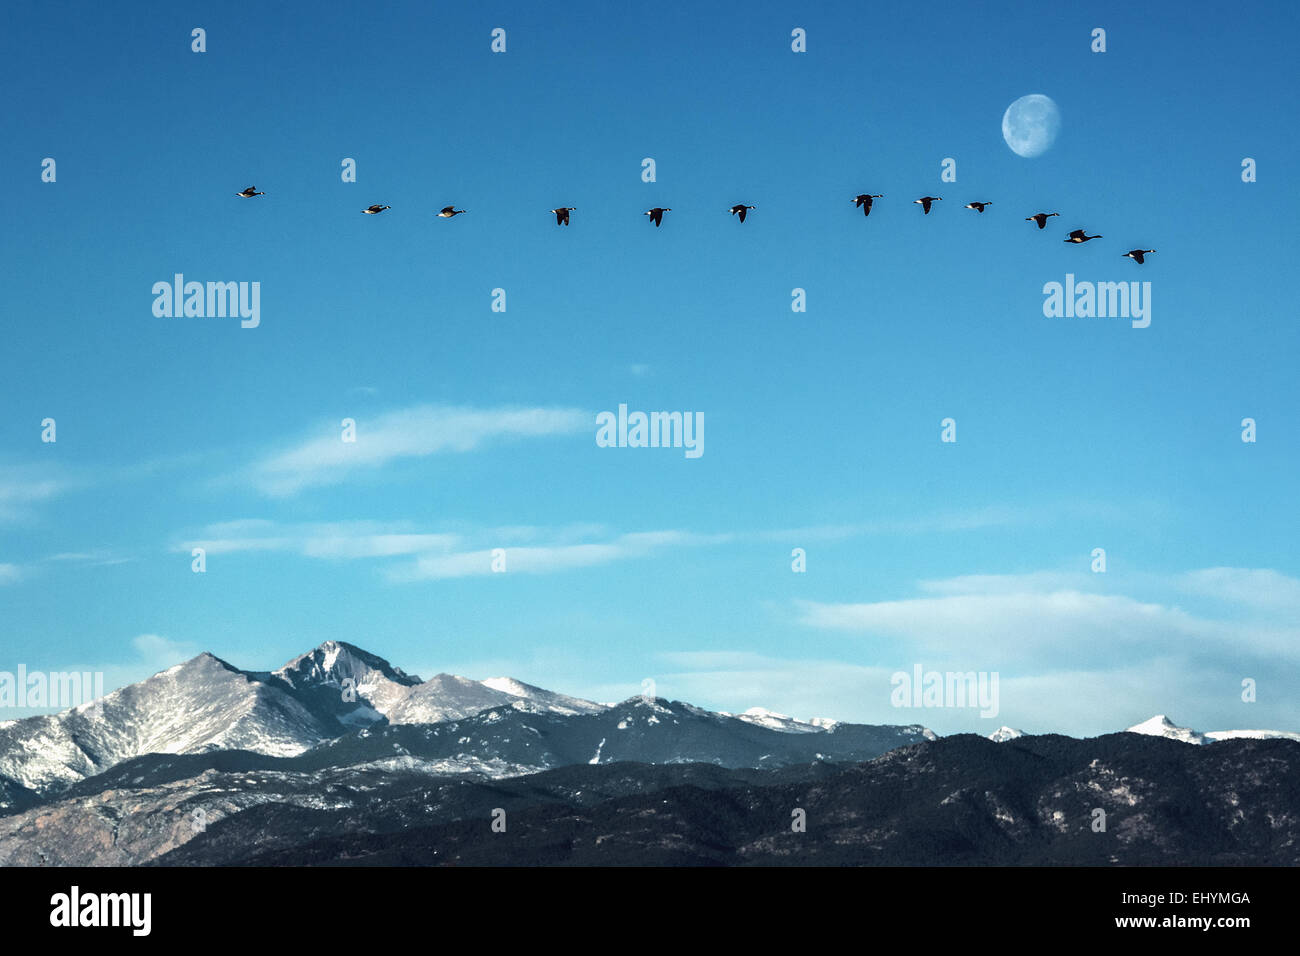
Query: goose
{"type": "Point", "coordinates": [865, 201]}
{"type": "Point", "coordinates": [977, 206]}
{"type": "Point", "coordinates": [375, 210]}
{"type": "Point", "coordinates": [1041, 218]}
{"type": "Point", "coordinates": [448, 211]}
{"type": "Point", "coordinates": [740, 210]}
{"type": "Point", "coordinates": [249, 193]}
{"type": "Point", "coordinates": [562, 215]}
{"type": "Point", "coordinates": [1078, 235]}
{"type": "Point", "coordinates": [925, 201]}
{"type": "Point", "coordinates": [1137, 255]}
{"type": "Point", "coordinates": [657, 214]}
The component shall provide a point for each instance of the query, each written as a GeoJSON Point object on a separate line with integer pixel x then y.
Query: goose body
{"type": "Point", "coordinates": [865, 200]}
{"type": "Point", "coordinates": [1041, 218]}
{"type": "Point", "coordinates": [1078, 235]}
{"type": "Point", "coordinates": [977, 206]}
{"type": "Point", "coordinates": [375, 210]}
{"type": "Point", "coordinates": [924, 202]}
{"type": "Point", "coordinates": [448, 211]}
{"type": "Point", "coordinates": [740, 210]}
{"type": "Point", "coordinates": [562, 215]}
{"type": "Point", "coordinates": [249, 193]}
{"type": "Point", "coordinates": [1138, 255]}
{"type": "Point", "coordinates": [657, 214]}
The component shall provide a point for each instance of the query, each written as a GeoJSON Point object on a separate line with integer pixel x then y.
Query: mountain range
{"type": "Point", "coordinates": [338, 754]}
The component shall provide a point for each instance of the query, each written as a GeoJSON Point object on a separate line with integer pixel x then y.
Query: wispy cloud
{"type": "Point", "coordinates": [1259, 588]}
{"type": "Point", "coordinates": [22, 487]}
{"type": "Point", "coordinates": [340, 540]}
{"type": "Point", "coordinates": [436, 555]}
{"type": "Point", "coordinates": [1048, 616]}
{"type": "Point", "coordinates": [550, 559]}
{"type": "Point", "coordinates": [972, 520]}
{"type": "Point", "coordinates": [467, 551]}
{"type": "Point", "coordinates": [160, 652]}
{"type": "Point", "coordinates": [406, 433]}
{"type": "Point", "coordinates": [100, 557]}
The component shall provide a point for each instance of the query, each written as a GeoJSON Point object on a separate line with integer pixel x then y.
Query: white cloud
{"type": "Point", "coordinates": [162, 652]}
{"type": "Point", "coordinates": [1055, 625]}
{"type": "Point", "coordinates": [23, 486]}
{"type": "Point", "coordinates": [1032, 582]}
{"type": "Point", "coordinates": [925, 524]}
{"type": "Point", "coordinates": [549, 559]}
{"type": "Point", "coordinates": [528, 549]}
{"type": "Point", "coordinates": [1260, 588]}
{"type": "Point", "coordinates": [407, 433]}
{"type": "Point", "coordinates": [340, 540]}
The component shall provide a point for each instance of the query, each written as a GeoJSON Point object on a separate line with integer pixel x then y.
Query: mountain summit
{"type": "Point", "coordinates": [207, 704]}
{"type": "Point", "coordinates": [1162, 726]}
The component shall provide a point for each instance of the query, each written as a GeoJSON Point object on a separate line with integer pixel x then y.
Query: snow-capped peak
{"type": "Point", "coordinates": [784, 722]}
{"type": "Point", "coordinates": [543, 699]}
{"type": "Point", "coordinates": [335, 661]}
{"type": "Point", "coordinates": [1005, 733]}
{"type": "Point", "coordinates": [1162, 726]}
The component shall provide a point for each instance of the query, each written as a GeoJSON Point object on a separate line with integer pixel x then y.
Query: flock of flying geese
{"type": "Point", "coordinates": [863, 201]}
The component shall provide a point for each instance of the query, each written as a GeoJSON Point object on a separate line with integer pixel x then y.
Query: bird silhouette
{"type": "Point", "coordinates": [1138, 255]}
{"type": "Point", "coordinates": [375, 210]}
{"type": "Point", "coordinates": [1077, 235]}
{"type": "Point", "coordinates": [865, 201]}
{"type": "Point", "coordinates": [739, 210]}
{"type": "Point", "coordinates": [925, 201]}
{"type": "Point", "coordinates": [977, 206]}
{"type": "Point", "coordinates": [448, 211]}
{"type": "Point", "coordinates": [1041, 218]}
{"type": "Point", "coordinates": [657, 214]}
{"type": "Point", "coordinates": [562, 215]}
{"type": "Point", "coordinates": [249, 193]}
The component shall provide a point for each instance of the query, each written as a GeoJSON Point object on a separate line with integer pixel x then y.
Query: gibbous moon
{"type": "Point", "coordinates": [1030, 125]}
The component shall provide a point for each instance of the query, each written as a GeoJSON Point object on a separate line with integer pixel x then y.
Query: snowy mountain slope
{"type": "Point", "coordinates": [208, 704]}
{"type": "Point", "coordinates": [495, 727]}
{"type": "Point", "coordinates": [202, 704]}
{"type": "Point", "coordinates": [446, 697]}
{"type": "Point", "coordinates": [1162, 726]}
{"type": "Point", "coordinates": [325, 673]}
{"type": "Point", "coordinates": [384, 691]}
{"type": "Point", "coordinates": [783, 722]}
{"type": "Point", "coordinates": [548, 700]}
{"type": "Point", "coordinates": [1005, 733]}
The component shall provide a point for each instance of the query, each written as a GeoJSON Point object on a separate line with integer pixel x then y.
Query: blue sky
{"type": "Point", "coordinates": [476, 429]}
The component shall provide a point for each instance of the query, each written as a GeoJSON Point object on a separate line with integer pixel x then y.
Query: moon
{"type": "Point", "coordinates": [1030, 125]}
